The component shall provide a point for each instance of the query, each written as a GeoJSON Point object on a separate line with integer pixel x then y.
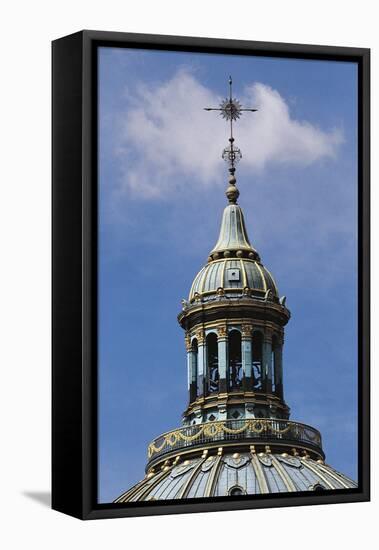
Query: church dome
{"type": "Point", "coordinates": [236, 474]}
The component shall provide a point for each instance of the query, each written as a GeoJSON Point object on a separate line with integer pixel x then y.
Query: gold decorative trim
{"type": "Point", "coordinates": [283, 474]}
{"type": "Point", "coordinates": [333, 475]}
{"type": "Point", "coordinates": [130, 492]}
{"type": "Point", "coordinates": [212, 477]}
{"type": "Point", "coordinates": [263, 277]}
{"type": "Point", "coordinates": [219, 260]}
{"type": "Point", "coordinates": [230, 399]}
{"type": "Point", "coordinates": [216, 428]}
{"type": "Point", "coordinates": [307, 464]}
{"type": "Point", "coordinates": [244, 445]}
{"type": "Point", "coordinates": [144, 488]}
{"type": "Point", "coordinates": [256, 323]}
{"type": "Point", "coordinates": [222, 276]}
{"type": "Point", "coordinates": [244, 276]}
{"type": "Point", "coordinates": [259, 474]}
{"type": "Point", "coordinates": [228, 304]}
{"type": "Point", "coordinates": [235, 289]}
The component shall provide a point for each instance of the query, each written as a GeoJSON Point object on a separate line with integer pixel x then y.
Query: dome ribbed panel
{"type": "Point", "coordinates": [197, 488]}
{"type": "Point", "coordinates": [273, 472]}
{"type": "Point", "coordinates": [212, 277]}
{"type": "Point", "coordinates": [254, 276]}
{"type": "Point", "coordinates": [270, 282]}
{"type": "Point", "coordinates": [197, 281]}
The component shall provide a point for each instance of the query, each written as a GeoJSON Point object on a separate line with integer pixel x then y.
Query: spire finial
{"type": "Point", "coordinates": [231, 110]}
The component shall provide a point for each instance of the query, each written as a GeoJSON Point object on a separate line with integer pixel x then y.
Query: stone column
{"type": "Point", "coordinates": [246, 354]}
{"type": "Point", "coordinates": [267, 362]}
{"type": "Point", "coordinates": [278, 363]}
{"type": "Point", "coordinates": [191, 369]}
{"type": "Point", "coordinates": [200, 363]}
{"type": "Point", "coordinates": [222, 358]}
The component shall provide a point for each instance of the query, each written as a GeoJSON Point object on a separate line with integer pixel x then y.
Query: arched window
{"type": "Point", "coordinates": [212, 362]}
{"type": "Point", "coordinates": [257, 360]}
{"type": "Point", "coordinates": [235, 360]}
{"type": "Point", "coordinates": [194, 359]}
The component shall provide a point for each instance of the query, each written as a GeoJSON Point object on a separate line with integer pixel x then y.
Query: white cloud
{"type": "Point", "coordinates": [168, 141]}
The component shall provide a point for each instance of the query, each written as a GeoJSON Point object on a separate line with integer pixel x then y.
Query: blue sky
{"type": "Point", "coordinates": [161, 196]}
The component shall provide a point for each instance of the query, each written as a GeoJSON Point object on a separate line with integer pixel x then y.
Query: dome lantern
{"type": "Point", "coordinates": [236, 437]}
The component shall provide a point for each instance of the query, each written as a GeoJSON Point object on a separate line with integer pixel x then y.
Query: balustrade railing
{"type": "Point", "coordinates": [255, 430]}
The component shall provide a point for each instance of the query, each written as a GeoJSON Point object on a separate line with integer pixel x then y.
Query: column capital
{"type": "Point", "coordinates": [200, 335]}
{"type": "Point", "coordinates": [247, 330]}
{"type": "Point", "coordinates": [222, 331]}
{"type": "Point", "coordinates": [188, 341]}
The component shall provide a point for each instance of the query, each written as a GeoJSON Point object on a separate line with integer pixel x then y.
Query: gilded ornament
{"type": "Point", "coordinates": [200, 336]}
{"type": "Point", "coordinates": [216, 428]}
{"type": "Point", "coordinates": [247, 330]}
{"type": "Point", "coordinates": [222, 331]}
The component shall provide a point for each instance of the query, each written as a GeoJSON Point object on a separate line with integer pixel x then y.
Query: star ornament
{"type": "Point", "coordinates": [230, 109]}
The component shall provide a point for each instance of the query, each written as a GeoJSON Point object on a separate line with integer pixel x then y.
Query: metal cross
{"type": "Point", "coordinates": [231, 109]}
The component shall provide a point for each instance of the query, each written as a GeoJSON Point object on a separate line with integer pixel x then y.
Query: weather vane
{"type": "Point", "coordinates": [231, 110]}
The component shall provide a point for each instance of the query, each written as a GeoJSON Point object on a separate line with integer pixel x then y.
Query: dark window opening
{"type": "Point", "coordinates": [318, 487]}
{"type": "Point", "coordinates": [257, 360]}
{"type": "Point", "coordinates": [236, 491]}
{"type": "Point", "coordinates": [235, 360]}
{"type": "Point", "coordinates": [212, 362]}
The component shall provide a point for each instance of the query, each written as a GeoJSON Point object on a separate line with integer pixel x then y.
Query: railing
{"type": "Point", "coordinates": [254, 430]}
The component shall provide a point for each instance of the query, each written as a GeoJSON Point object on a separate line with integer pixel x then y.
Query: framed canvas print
{"type": "Point", "coordinates": [210, 274]}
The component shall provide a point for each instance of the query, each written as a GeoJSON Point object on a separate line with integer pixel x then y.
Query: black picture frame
{"type": "Point", "coordinates": [74, 272]}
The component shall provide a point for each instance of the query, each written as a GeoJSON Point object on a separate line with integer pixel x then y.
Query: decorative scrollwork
{"type": "Point", "coordinates": [232, 155]}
